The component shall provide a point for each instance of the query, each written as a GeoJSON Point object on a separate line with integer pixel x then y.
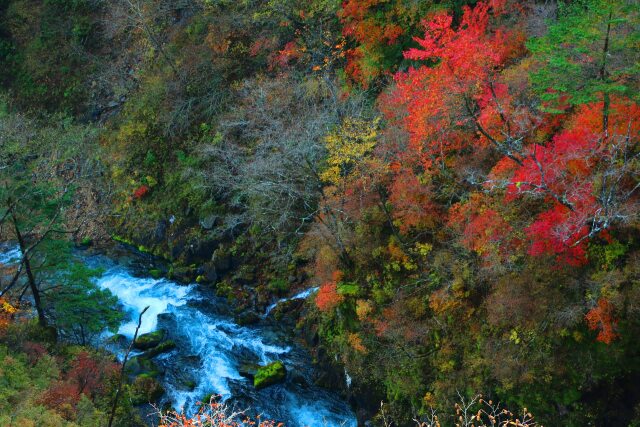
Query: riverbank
{"type": "Point", "coordinates": [212, 350]}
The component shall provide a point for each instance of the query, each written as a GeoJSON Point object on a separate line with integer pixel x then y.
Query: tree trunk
{"type": "Point", "coordinates": [42, 320]}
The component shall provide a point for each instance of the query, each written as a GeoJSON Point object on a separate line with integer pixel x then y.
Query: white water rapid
{"type": "Point", "coordinates": [211, 349]}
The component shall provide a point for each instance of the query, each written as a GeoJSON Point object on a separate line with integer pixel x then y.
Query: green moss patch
{"type": "Point", "coordinates": [150, 340]}
{"type": "Point", "coordinates": [270, 374]}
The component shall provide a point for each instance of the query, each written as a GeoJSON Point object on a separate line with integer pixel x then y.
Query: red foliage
{"type": "Point", "coordinates": [412, 203]}
{"type": "Point", "coordinates": [34, 351]}
{"type": "Point", "coordinates": [328, 297]}
{"type": "Point", "coordinates": [61, 396]}
{"type": "Point", "coordinates": [566, 172]}
{"type": "Point", "coordinates": [282, 58]}
{"type": "Point", "coordinates": [141, 191]}
{"type": "Point", "coordinates": [559, 231]}
{"type": "Point", "coordinates": [483, 228]}
{"type": "Point", "coordinates": [87, 375]}
{"type": "Point", "coordinates": [440, 100]}
{"type": "Point", "coordinates": [601, 318]}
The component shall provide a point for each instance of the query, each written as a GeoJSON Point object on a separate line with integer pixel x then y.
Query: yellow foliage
{"type": "Point", "coordinates": [347, 146]}
{"type": "Point", "coordinates": [6, 312]}
{"type": "Point", "coordinates": [363, 309]}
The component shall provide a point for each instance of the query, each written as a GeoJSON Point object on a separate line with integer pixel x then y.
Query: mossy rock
{"type": "Point", "coordinates": [163, 347]}
{"type": "Point", "coordinates": [121, 239]}
{"type": "Point", "coordinates": [141, 365]}
{"type": "Point", "coordinates": [186, 274]}
{"type": "Point", "coordinates": [247, 318]}
{"type": "Point", "coordinates": [117, 339]}
{"type": "Point", "coordinates": [146, 389]}
{"type": "Point", "coordinates": [150, 340]}
{"type": "Point", "coordinates": [270, 374]}
{"type": "Point", "coordinates": [155, 273]}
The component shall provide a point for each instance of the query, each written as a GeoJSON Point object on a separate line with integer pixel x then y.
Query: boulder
{"type": "Point", "coordinates": [288, 311]}
{"type": "Point", "coordinates": [160, 231]}
{"type": "Point", "coordinates": [156, 273]}
{"type": "Point", "coordinates": [248, 317]}
{"type": "Point", "coordinates": [221, 260]}
{"type": "Point", "coordinates": [118, 339]}
{"type": "Point", "coordinates": [141, 365]}
{"type": "Point", "coordinates": [270, 374]}
{"type": "Point", "coordinates": [163, 347]}
{"type": "Point", "coordinates": [208, 273]}
{"type": "Point", "coordinates": [149, 340]}
{"type": "Point", "coordinates": [248, 370]}
{"type": "Point", "coordinates": [209, 221]}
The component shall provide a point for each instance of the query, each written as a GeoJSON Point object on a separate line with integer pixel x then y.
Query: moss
{"type": "Point", "coordinates": [270, 374]}
{"type": "Point", "coordinates": [155, 273]}
{"type": "Point", "coordinates": [117, 339]}
{"type": "Point", "coordinates": [278, 286]}
{"type": "Point", "coordinates": [150, 340]}
{"type": "Point", "coordinates": [159, 349]}
{"type": "Point", "coordinates": [123, 240]}
{"type": "Point", "coordinates": [200, 279]}
{"type": "Point", "coordinates": [141, 365]}
{"type": "Point", "coordinates": [86, 242]}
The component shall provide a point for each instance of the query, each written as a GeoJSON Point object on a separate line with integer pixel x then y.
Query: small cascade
{"type": "Point", "coordinates": [301, 295]}
{"type": "Point", "coordinates": [347, 378]}
{"type": "Point", "coordinates": [9, 254]}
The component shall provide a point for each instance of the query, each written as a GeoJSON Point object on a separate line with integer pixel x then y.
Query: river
{"type": "Point", "coordinates": [211, 348]}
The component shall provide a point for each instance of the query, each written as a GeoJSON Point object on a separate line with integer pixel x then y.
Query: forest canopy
{"type": "Point", "coordinates": [460, 179]}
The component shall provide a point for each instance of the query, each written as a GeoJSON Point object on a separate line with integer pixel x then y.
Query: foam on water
{"type": "Point", "coordinates": [216, 341]}
{"type": "Point", "coordinates": [9, 254]}
{"type": "Point", "coordinates": [315, 413]}
{"type": "Point", "coordinates": [137, 293]}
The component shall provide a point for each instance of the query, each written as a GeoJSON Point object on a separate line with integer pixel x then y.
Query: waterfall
{"type": "Point", "coordinates": [301, 295]}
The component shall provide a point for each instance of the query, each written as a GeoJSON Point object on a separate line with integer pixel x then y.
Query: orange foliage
{"type": "Point", "coordinates": [412, 203]}
{"type": "Point", "coordinates": [355, 341]}
{"type": "Point", "coordinates": [284, 57]}
{"type": "Point", "coordinates": [328, 297]}
{"type": "Point", "coordinates": [483, 228]}
{"type": "Point", "coordinates": [213, 414]}
{"type": "Point", "coordinates": [600, 318]}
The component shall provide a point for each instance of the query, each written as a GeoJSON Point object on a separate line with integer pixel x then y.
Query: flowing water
{"type": "Point", "coordinates": [302, 295]}
{"type": "Point", "coordinates": [211, 348]}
